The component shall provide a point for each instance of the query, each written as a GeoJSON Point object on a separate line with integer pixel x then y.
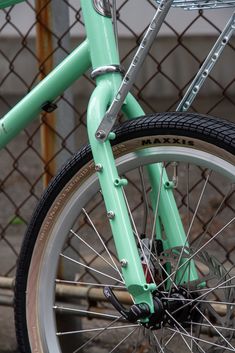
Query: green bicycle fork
{"type": "Point", "coordinates": [111, 184]}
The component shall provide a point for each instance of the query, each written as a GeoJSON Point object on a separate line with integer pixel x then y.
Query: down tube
{"type": "Point", "coordinates": [167, 208]}
{"type": "Point", "coordinates": [47, 90]}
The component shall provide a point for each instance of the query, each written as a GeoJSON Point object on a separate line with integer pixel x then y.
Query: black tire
{"type": "Point", "coordinates": [191, 132]}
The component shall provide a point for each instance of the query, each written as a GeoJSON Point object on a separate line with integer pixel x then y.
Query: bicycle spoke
{"type": "Point", "coordinates": [230, 329]}
{"type": "Point", "coordinates": [123, 340]}
{"type": "Point", "coordinates": [169, 339]}
{"type": "Point", "coordinates": [88, 312]}
{"type": "Point", "coordinates": [160, 265]}
{"type": "Point", "coordinates": [184, 332]}
{"type": "Point", "coordinates": [96, 329]}
{"type": "Point", "coordinates": [190, 227]}
{"type": "Point", "coordinates": [183, 338]}
{"type": "Point", "coordinates": [138, 237]}
{"type": "Point", "coordinates": [226, 196]}
{"type": "Point", "coordinates": [92, 249]}
{"type": "Point", "coordinates": [201, 301]}
{"type": "Point", "coordinates": [188, 197]}
{"type": "Point", "coordinates": [195, 253]}
{"type": "Point", "coordinates": [90, 284]}
{"type": "Point", "coordinates": [139, 338]}
{"type": "Point", "coordinates": [206, 289]}
{"type": "Point", "coordinates": [146, 212]}
{"type": "Point", "coordinates": [90, 268]}
{"type": "Point", "coordinates": [158, 343]}
{"type": "Point", "coordinates": [191, 341]}
{"type": "Point", "coordinates": [102, 242]}
{"type": "Point", "coordinates": [95, 336]}
{"type": "Point", "coordinates": [157, 205]}
{"type": "Point", "coordinates": [217, 331]}
{"type": "Point", "coordinates": [201, 296]}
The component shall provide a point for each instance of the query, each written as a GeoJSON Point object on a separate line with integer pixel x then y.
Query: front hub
{"type": "Point", "coordinates": [174, 308]}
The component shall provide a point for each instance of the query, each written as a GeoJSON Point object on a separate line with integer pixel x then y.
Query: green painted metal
{"type": "Point", "coordinates": [6, 3]}
{"type": "Point", "coordinates": [169, 216]}
{"type": "Point", "coordinates": [99, 30]}
{"type": "Point", "coordinates": [131, 108]}
{"type": "Point", "coordinates": [114, 199]}
{"type": "Point", "coordinates": [103, 50]}
{"type": "Point", "coordinates": [167, 208]}
{"type": "Point", "coordinates": [46, 91]}
{"type": "Point", "coordinates": [100, 50]}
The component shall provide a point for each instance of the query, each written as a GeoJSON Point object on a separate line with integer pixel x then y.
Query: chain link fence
{"type": "Point", "coordinates": [32, 46]}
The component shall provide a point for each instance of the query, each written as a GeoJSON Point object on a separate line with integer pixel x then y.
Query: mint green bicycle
{"type": "Point", "coordinates": [115, 259]}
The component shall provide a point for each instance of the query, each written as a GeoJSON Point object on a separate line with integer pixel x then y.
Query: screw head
{"type": "Point", "coordinates": [100, 134]}
{"type": "Point", "coordinates": [98, 167]}
{"type": "Point", "coordinates": [111, 215]}
{"type": "Point", "coordinates": [123, 263]}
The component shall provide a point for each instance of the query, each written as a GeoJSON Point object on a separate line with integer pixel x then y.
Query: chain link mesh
{"type": "Point", "coordinates": [23, 165]}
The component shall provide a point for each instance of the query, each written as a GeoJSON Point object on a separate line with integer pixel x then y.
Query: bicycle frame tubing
{"type": "Point", "coordinates": [99, 50]}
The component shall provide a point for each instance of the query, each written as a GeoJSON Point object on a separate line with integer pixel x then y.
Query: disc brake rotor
{"type": "Point", "coordinates": [210, 296]}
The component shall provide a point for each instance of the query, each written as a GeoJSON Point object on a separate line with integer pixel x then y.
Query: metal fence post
{"type": "Point", "coordinates": [53, 42]}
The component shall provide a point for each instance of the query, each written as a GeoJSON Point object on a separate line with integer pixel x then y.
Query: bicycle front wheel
{"type": "Point", "coordinates": [68, 254]}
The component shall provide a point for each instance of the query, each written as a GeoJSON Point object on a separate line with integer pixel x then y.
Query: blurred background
{"type": "Point", "coordinates": [34, 37]}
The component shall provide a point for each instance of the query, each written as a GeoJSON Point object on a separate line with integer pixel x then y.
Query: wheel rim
{"type": "Point", "coordinates": [161, 340]}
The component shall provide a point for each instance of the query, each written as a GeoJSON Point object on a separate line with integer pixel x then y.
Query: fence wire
{"type": "Point", "coordinates": [169, 68]}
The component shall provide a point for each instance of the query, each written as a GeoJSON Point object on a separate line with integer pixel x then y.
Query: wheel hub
{"type": "Point", "coordinates": [171, 309]}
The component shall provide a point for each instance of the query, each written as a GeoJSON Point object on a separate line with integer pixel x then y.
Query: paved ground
{"type": "Point", "coordinates": [7, 332]}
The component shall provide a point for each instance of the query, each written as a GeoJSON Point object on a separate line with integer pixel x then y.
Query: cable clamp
{"type": "Point", "coordinates": [107, 69]}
